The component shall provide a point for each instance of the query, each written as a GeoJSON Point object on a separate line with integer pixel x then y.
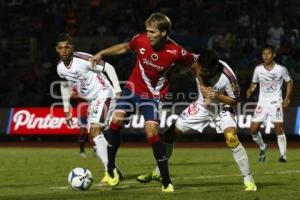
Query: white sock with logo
{"type": "Point", "coordinates": [281, 140]}
{"type": "Point", "coordinates": [101, 149]}
{"type": "Point", "coordinates": [258, 140]}
{"type": "Point", "coordinates": [240, 156]}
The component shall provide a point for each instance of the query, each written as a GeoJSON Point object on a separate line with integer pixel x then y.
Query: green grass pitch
{"type": "Point", "coordinates": [198, 173]}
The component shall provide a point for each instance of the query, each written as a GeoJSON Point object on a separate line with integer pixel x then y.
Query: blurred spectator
{"type": "Point", "coordinates": [236, 29]}
{"type": "Point", "coordinates": [275, 34]}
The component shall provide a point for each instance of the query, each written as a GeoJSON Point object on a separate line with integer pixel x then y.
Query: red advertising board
{"type": "Point", "coordinates": [43, 121]}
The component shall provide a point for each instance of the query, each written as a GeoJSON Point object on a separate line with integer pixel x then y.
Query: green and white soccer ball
{"type": "Point", "coordinates": [80, 178]}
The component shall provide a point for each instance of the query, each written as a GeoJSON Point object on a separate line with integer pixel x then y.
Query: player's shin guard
{"type": "Point", "coordinates": [101, 149]}
{"type": "Point", "coordinates": [281, 140]}
{"type": "Point", "coordinates": [240, 156]}
{"type": "Point", "coordinates": [159, 151]}
{"type": "Point", "coordinates": [114, 141]}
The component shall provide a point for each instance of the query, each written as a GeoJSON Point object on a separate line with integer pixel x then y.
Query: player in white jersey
{"type": "Point", "coordinates": [218, 94]}
{"type": "Point", "coordinates": [91, 84]}
{"type": "Point", "coordinates": [270, 76]}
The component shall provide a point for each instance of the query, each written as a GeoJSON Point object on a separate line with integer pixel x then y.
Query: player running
{"type": "Point", "coordinates": [91, 85]}
{"type": "Point", "coordinates": [218, 95]}
{"type": "Point", "coordinates": [270, 76]}
{"type": "Point", "coordinates": [156, 54]}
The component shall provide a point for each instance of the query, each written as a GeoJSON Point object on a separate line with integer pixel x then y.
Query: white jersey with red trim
{"type": "Point", "coordinates": [149, 77]}
{"type": "Point", "coordinates": [270, 81]}
{"type": "Point", "coordinates": [86, 82]}
{"type": "Point", "coordinates": [227, 83]}
{"type": "Point", "coordinates": [199, 114]}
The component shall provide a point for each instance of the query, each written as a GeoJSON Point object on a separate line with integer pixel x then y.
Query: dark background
{"type": "Point", "coordinates": [236, 29]}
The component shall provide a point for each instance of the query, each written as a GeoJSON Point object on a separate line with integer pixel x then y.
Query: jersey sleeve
{"type": "Point", "coordinates": [59, 72]}
{"type": "Point", "coordinates": [184, 57]}
{"type": "Point", "coordinates": [255, 76]}
{"type": "Point", "coordinates": [133, 42]}
{"type": "Point", "coordinates": [286, 74]}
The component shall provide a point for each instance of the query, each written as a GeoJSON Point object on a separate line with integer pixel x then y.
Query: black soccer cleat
{"type": "Point", "coordinates": [282, 159]}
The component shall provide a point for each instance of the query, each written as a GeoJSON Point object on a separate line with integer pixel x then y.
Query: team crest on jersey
{"type": "Point", "coordinates": [154, 56]}
{"type": "Point", "coordinates": [193, 109]}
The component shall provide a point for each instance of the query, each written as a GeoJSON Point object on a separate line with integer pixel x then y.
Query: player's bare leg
{"type": "Point", "coordinates": [240, 156]}
{"type": "Point", "coordinates": [159, 152]}
{"type": "Point", "coordinates": [281, 140]}
{"type": "Point", "coordinates": [257, 138]}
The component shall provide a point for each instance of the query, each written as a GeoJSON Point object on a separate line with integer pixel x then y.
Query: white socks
{"type": "Point", "coordinates": [169, 152]}
{"type": "Point", "coordinates": [101, 149]}
{"type": "Point", "coordinates": [281, 140]}
{"type": "Point", "coordinates": [258, 140]}
{"type": "Point", "coordinates": [241, 158]}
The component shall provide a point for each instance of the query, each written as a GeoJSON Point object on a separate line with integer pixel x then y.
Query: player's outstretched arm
{"type": "Point", "coordinates": [116, 49]}
{"type": "Point", "coordinates": [210, 94]}
{"type": "Point", "coordinates": [66, 95]}
{"type": "Point", "coordinates": [112, 75]}
{"type": "Point", "coordinates": [251, 89]}
{"type": "Point", "coordinates": [289, 90]}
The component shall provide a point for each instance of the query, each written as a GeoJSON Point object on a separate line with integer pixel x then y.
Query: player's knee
{"type": "Point", "coordinates": [118, 117]}
{"type": "Point", "coordinates": [254, 127]}
{"type": "Point", "coordinates": [232, 140]}
{"type": "Point", "coordinates": [94, 131]}
{"type": "Point", "coordinates": [172, 134]}
{"type": "Point", "coordinates": [278, 128]}
{"type": "Point", "coordinates": [253, 130]}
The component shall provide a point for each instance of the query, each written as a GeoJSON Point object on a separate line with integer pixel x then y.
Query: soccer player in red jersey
{"type": "Point", "coordinates": [156, 54]}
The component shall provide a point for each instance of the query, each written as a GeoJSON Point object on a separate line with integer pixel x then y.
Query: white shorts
{"type": "Point", "coordinates": [197, 117]}
{"type": "Point", "coordinates": [272, 109]}
{"type": "Point", "coordinates": [100, 111]}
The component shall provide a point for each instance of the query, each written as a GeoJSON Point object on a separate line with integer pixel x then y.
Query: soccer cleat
{"type": "Point", "coordinates": [120, 173]}
{"type": "Point", "coordinates": [282, 159]}
{"type": "Point", "coordinates": [82, 154]}
{"type": "Point", "coordinates": [146, 178]}
{"type": "Point", "coordinates": [105, 177]}
{"type": "Point", "coordinates": [250, 186]}
{"type": "Point", "coordinates": [169, 188]}
{"type": "Point", "coordinates": [113, 181]}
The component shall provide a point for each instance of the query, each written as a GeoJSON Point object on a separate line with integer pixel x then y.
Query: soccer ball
{"type": "Point", "coordinates": [80, 178]}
